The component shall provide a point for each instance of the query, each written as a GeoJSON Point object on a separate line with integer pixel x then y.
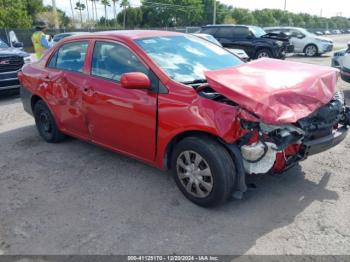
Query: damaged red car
{"type": "Point", "coordinates": [178, 102]}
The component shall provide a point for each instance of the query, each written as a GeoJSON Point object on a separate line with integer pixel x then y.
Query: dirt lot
{"type": "Point", "coordinates": [76, 198]}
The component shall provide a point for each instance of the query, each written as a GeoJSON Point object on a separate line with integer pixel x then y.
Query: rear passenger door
{"type": "Point", "coordinates": [225, 36]}
{"type": "Point", "coordinates": [243, 39]}
{"type": "Point", "coordinates": [66, 77]}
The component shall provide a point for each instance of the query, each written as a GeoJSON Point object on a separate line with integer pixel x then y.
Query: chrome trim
{"type": "Point", "coordinates": [9, 87]}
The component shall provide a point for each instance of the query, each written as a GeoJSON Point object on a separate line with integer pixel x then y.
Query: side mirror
{"type": "Point", "coordinates": [249, 37]}
{"type": "Point", "coordinates": [135, 80]}
{"type": "Point", "coordinates": [300, 36]}
{"type": "Point", "coordinates": [17, 44]}
{"type": "Point", "coordinates": [349, 45]}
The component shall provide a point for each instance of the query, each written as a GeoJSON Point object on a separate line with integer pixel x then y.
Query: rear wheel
{"type": "Point", "coordinates": [311, 50]}
{"type": "Point", "coordinates": [203, 170]}
{"type": "Point", "coordinates": [46, 124]}
{"type": "Point", "coordinates": [264, 52]}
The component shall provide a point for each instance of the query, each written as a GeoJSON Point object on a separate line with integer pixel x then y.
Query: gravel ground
{"type": "Point", "coordinates": [76, 198]}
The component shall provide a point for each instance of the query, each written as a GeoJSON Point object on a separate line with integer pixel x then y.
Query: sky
{"type": "Point", "coordinates": [328, 8]}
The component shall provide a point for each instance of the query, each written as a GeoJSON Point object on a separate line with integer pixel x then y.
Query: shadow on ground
{"type": "Point", "coordinates": [76, 198]}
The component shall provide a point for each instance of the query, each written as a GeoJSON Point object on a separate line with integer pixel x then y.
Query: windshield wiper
{"type": "Point", "coordinates": [195, 81]}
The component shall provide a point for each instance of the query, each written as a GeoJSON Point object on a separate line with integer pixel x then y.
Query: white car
{"type": "Point", "coordinates": [345, 67]}
{"type": "Point", "coordinates": [304, 41]}
{"type": "Point", "coordinates": [238, 52]}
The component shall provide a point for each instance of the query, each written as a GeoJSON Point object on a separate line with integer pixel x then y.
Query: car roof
{"type": "Point", "coordinates": [127, 34]}
{"type": "Point", "coordinates": [224, 25]}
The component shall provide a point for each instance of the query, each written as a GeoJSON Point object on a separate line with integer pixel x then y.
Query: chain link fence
{"type": "Point", "coordinates": [24, 35]}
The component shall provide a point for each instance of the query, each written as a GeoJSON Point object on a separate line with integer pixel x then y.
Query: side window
{"type": "Point", "coordinates": [240, 32]}
{"type": "Point", "coordinates": [209, 30]}
{"type": "Point", "coordinates": [53, 60]}
{"type": "Point", "coordinates": [70, 56]}
{"type": "Point", "coordinates": [224, 32]}
{"type": "Point", "coordinates": [111, 60]}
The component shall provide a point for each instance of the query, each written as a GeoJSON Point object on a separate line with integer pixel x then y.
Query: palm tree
{"type": "Point", "coordinates": [71, 7]}
{"type": "Point", "coordinates": [87, 10]}
{"type": "Point", "coordinates": [105, 3]}
{"type": "Point", "coordinates": [124, 4]}
{"type": "Point", "coordinates": [115, 12]}
{"type": "Point", "coordinates": [79, 6]}
{"type": "Point", "coordinates": [94, 9]}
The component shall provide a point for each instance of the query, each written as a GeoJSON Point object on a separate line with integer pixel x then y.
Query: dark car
{"type": "Point", "coordinates": [252, 39]}
{"type": "Point", "coordinates": [11, 62]}
{"type": "Point", "coordinates": [58, 37]}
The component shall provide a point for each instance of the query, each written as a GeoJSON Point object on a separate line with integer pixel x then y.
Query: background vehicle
{"type": "Point", "coordinates": [11, 62]}
{"type": "Point", "coordinates": [304, 41]}
{"type": "Point", "coordinates": [252, 39]}
{"type": "Point", "coordinates": [337, 59]}
{"type": "Point", "coordinates": [238, 52]}
{"type": "Point", "coordinates": [345, 66]}
{"type": "Point", "coordinates": [177, 101]}
{"type": "Point", "coordinates": [60, 36]}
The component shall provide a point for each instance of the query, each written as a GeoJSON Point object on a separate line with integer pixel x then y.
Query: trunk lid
{"type": "Point", "coordinates": [278, 92]}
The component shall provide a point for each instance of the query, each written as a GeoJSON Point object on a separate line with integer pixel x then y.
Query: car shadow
{"type": "Point", "coordinates": [77, 198]}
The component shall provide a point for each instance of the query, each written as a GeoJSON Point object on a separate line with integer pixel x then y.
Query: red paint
{"type": "Point", "coordinates": [282, 156]}
{"type": "Point", "coordinates": [135, 81]}
{"type": "Point", "coordinates": [279, 92]}
{"type": "Point", "coordinates": [141, 123]}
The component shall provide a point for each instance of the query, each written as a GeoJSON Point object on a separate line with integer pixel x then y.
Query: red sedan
{"type": "Point", "coordinates": [178, 102]}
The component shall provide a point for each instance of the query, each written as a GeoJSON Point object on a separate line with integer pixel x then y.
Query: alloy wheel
{"type": "Point", "coordinates": [310, 50]}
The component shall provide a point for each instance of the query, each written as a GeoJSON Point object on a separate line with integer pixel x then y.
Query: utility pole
{"type": "Point", "coordinates": [214, 13]}
{"type": "Point", "coordinates": [321, 12]}
{"type": "Point", "coordinates": [285, 5]}
{"type": "Point", "coordinates": [54, 10]}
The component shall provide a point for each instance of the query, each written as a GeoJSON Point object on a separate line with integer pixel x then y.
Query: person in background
{"type": "Point", "coordinates": [39, 39]}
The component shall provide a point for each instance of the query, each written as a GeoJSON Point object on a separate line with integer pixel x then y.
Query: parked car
{"type": "Point", "coordinates": [238, 52]}
{"type": "Point", "coordinates": [337, 59]}
{"type": "Point", "coordinates": [60, 36]}
{"type": "Point", "coordinates": [336, 32]}
{"type": "Point", "coordinates": [345, 66]}
{"type": "Point", "coordinates": [327, 32]}
{"type": "Point", "coordinates": [304, 41]}
{"type": "Point", "coordinates": [319, 33]}
{"type": "Point", "coordinates": [11, 61]}
{"type": "Point", "coordinates": [252, 39]}
{"type": "Point", "coordinates": [179, 102]}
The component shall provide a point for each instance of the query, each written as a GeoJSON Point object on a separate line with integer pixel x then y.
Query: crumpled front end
{"type": "Point", "coordinates": [275, 148]}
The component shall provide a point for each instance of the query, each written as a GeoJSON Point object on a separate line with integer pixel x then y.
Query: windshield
{"type": "Point", "coordinates": [185, 58]}
{"type": "Point", "coordinates": [3, 44]}
{"type": "Point", "coordinates": [305, 32]}
{"type": "Point", "coordinates": [257, 31]}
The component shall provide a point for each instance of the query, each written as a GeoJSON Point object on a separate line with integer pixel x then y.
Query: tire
{"type": "Point", "coordinates": [46, 124]}
{"type": "Point", "coordinates": [211, 177]}
{"type": "Point", "coordinates": [264, 52]}
{"type": "Point", "coordinates": [311, 50]}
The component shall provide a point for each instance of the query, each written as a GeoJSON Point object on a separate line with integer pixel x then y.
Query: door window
{"type": "Point", "coordinates": [70, 56]}
{"type": "Point", "coordinates": [224, 32]}
{"type": "Point", "coordinates": [111, 60]}
{"type": "Point", "coordinates": [241, 32]}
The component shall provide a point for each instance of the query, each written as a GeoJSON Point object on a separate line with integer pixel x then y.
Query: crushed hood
{"type": "Point", "coordinates": [278, 92]}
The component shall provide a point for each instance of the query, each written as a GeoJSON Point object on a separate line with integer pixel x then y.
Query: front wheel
{"type": "Point", "coordinates": [203, 170]}
{"type": "Point", "coordinates": [46, 124]}
{"type": "Point", "coordinates": [263, 53]}
{"type": "Point", "coordinates": [310, 50]}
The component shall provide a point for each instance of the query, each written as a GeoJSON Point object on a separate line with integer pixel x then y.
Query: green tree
{"type": "Point", "coordinates": [13, 14]}
{"type": "Point", "coordinates": [242, 16]}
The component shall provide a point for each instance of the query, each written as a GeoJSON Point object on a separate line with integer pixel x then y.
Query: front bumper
{"type": "Point", "coordinates": [325, 48]}
{"type": "Point", "coordinates": [322, 144]}
{"type": "Point", "coordinates": [9, 80]}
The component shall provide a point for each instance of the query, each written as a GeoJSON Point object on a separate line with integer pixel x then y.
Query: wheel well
{"type": "Point", "coordinates": [170, 147]}
{"type": "Point", "coordinates": [34, 100]}
{"type": "Point", "coordinates": [261, 48]}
